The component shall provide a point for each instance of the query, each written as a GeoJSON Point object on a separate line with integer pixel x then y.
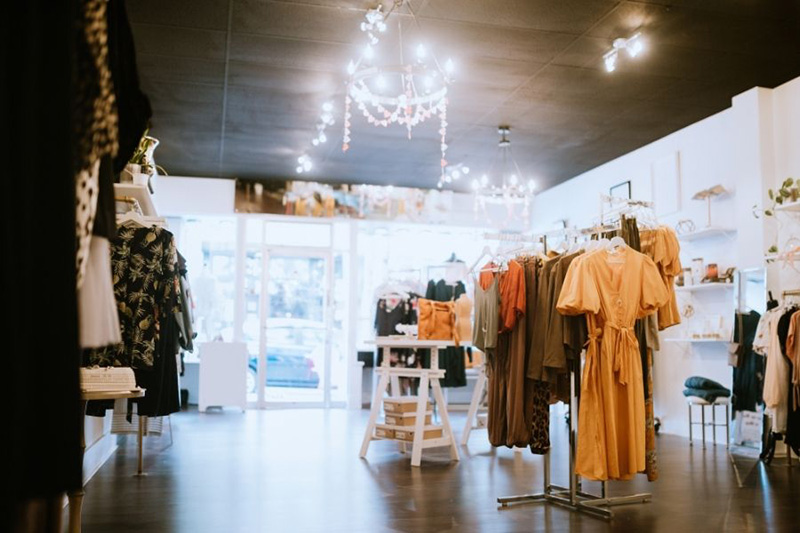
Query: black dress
{"type": "Point", "coordinates": [748, 377]}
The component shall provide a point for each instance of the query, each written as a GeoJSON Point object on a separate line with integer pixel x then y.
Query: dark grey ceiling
{"type": "Point", "coordinates": [236, 85]}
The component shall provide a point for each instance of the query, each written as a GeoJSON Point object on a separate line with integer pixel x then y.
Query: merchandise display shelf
{"type": "Point", "coordinates": [707, 233]}
{"type": "Point", "coordinates": [141, 193]}
{"type": "Point", "coordinates": [689, 339]}
{"type": "Point", "coordinates": [704, 287]}
{"type": "Point", "coordinates": [791, 207]}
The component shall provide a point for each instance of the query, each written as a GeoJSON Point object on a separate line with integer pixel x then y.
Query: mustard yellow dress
{"type": "Point", "coordinates": [613, 289]}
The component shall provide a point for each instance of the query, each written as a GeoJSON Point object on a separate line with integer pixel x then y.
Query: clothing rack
{"type": "Point", "coordinates": [574, 497]}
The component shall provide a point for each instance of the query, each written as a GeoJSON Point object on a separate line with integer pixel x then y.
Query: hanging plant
{"type": "Point", "coordinates": [789, 191]}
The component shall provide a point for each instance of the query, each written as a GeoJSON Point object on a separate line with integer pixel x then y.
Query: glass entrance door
{"type": "Point", "coordinates": [294, 363]}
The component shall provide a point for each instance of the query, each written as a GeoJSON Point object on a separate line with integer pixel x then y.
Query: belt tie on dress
{"type": "Point", "coordinates": [622, 357]}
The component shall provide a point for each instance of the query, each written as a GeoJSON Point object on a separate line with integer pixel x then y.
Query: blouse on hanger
{"type": "Point", "coordinates": [613, 289]}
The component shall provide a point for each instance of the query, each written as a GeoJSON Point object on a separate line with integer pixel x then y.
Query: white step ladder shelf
{"type": "Point", "coordinates": [427, 377]}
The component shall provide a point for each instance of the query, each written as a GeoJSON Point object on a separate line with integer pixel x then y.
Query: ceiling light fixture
{"type": "Point", "coordinates": [634, 45]}
{"type": "Point", "coordinates": [452, 174]}
{"type": "Point", "coordinates": [505, 186]}
{"type": "Point", "coordinates": [423, 84]}
{"type": "Point", "coordinates": [304, 164]}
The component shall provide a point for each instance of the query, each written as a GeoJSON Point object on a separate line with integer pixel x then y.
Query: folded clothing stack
{"type": "Point", "coordinates": [705, 389]}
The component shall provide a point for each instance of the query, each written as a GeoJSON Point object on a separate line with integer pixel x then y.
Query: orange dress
{"type": "Point", "coordinates": [613, 290]}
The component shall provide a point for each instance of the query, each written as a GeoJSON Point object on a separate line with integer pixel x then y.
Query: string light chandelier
{"type": "Point", "coordinates": [504, 185]}
{"type": "Point", "coordinates": [406, 93]}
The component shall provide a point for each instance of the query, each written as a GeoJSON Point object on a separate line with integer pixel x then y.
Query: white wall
{"type": "Point", "coordinates": [742, 148]}
{"type": "Point", "coordinates": [176, 196]}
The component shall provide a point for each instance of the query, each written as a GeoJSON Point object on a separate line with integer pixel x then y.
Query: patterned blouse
{"type": "Point", "coordinates": [143, 267]}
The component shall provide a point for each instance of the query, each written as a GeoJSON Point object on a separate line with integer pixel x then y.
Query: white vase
{"type": "Point", "coordinates": [141, 178]}
{"type": "Point", "coordinates": [128, 173]}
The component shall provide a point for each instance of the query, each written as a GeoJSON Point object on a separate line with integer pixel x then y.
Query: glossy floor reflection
{"type": "Point", "coordinates": [299, 471]}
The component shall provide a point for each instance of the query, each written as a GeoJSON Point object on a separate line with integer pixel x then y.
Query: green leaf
{"type": "Point", "coordinates": [773, 249]}
{"type": "Point", "coordinates": [768, 212]}
{"type": "Point", "coordinates": [784, 193]}
{"type": "Point", "coordinates": [779, 200]}
{"type": "Point", "coordinates": [789, 181]}
{"type": "Point", "coordinates": [771, 194]}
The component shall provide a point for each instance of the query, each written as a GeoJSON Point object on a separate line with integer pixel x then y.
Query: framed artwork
{"type": "Point", "coordinates": [621, 190]}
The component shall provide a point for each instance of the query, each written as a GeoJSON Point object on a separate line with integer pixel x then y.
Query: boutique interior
{"type": "Point", "coordinates": [405, 265]}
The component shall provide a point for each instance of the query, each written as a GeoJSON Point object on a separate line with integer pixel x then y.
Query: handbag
{"type": "Point", "coordinates": [736, 349]}
{"type": "Point", "coordinates": [437, 321]}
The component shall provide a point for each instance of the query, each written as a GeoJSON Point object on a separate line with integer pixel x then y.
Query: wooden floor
{"type": "Point", "coordinates": [299, 471]}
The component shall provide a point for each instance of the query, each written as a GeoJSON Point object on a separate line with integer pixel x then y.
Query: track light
{"type": "Point", "coordinates": [634, 45]}
{"type": "Point", "coordinates": [610, 60]}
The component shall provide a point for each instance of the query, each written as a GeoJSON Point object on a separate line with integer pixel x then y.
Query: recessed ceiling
{"type": "Point", "coordinates": [237, 85]}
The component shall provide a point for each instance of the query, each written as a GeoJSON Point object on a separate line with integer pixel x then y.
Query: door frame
{"type": "Point", "coordinates": [326, 254]}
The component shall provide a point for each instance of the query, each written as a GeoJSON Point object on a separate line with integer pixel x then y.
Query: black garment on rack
{"type": "Point", "coordinates": [748, 377]}
{"type": "Point", "coordinates": [451, 359]}
{"type": "Point", "coordinates": [387, 319]}
{"type": "Point", "coordinates": [42, 458]}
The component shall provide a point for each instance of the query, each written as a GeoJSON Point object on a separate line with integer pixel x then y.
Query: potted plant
{"type": "Point", "coordinates": [789, 191]}
{"type": "Point", "coordinates": [141, 167]}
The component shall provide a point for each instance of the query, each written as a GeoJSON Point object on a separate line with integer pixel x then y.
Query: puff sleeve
{"type": "Point", "coordinates": [579, 293]}
{"type": "Point", "coordinates": [654, 294]}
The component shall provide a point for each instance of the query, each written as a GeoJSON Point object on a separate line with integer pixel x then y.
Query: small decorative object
{"type": "Point", "coordinates": [717, 191]}
{"type": "Point", "coordinates": [789, 191]}
{"type": "Point", "coordinates": [679, 279]}
{"type": "Point", "coordinates": [687, 311]}
{"type": "Point", "coordinates": [143, 159]}
{"type": "Point", "coordinates": [409, 330]}
{"type": "Point", "coordinates": [130, 170]}
{"type": "Point", "coordinates": [697, 269]}
{"type": "Point", "coordinates": [688, 281]}
{"type": "Point", "coordinates": [621, 190]}
{"type": "Point", "coordinates": [727, 277]}
{"type": "Point", "coordinates": [685, 227]}
{"type": "Point", "coordinates": [712, 273]}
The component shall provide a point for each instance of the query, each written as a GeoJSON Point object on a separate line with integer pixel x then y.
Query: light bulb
{"type": "Point", "coordinates": [301, 159]}
{"type": "Point", "coordinates": [351, 67]}
{"type": "Point", "coordinates": [299, 170]}
{"type": "Point", "coordinates": [635, 45]}
{"type": "Point", "coordinates": [421, 52]}
{"type": "Point", "coordinates": [363, 26]}
{"type": "Point", "coordinates": [513, 180]}
{"type": "Point", "coordinates": [484, 180]}
{"type": "Point", "coordinates": [465, 170]}
{"type": "Point", "coordinates": [475, 185]}
{"type": "Point", "coordinates": [322, 137]}
{"type": "Point", "coordinates": [381, 26]}
{"type": "Point", "coordinates": [369, 52]}
{"type": "Point", "coordinates": [610, 60]}
{"type": "Point", "coordinates": [439, 185]}
{"type": "Point", "coordinates": [449, 67]}
{"type": "Point", "coordinates": [531, 185]}
{"type": "Point", "coordinates": [448, 179]}
{"type": "Point", "coordinates": [307, 166]}
{"type": "Point", "coordinates": [456, 174]}
{"type": "Point", "coordinates": [327, 107]}
{"type": "Point", "coordinates": [315, 142]}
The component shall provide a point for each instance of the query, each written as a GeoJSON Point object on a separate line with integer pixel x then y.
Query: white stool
{"type": "Point", "coordinates": [694, 400]}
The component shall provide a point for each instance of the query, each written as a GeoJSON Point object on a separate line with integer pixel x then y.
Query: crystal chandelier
{"type": "Point", "coordinates": [504, 185]}
{"type": "Point", "coordinates": [406, 92]}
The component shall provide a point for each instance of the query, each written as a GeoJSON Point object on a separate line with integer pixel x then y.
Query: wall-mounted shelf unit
{"type": "Point", "coordinates": [704, 287]}
{"type": "Point", "coordinates": [792, 206]}
{"type": "Point", "coordinates": [694, 340]}
{"type": "Point", "coordinates": [710, 232]}
{"type": "Point", "coordinates": [141, 193]}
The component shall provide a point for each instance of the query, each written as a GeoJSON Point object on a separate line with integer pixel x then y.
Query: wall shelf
{"type": "Point", "coordinates": [704, 287]}
{"type": "Point", "coordinates": [694, 340]}
{"type": "Point", "coordinates": [793, 206]}
{"type": "Point", "coordinates": [142, 195]}
{"type": "Point", "coordinates": [707, 233]}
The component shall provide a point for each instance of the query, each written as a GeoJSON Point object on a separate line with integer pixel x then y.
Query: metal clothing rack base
{"type": "Point", "coordinates": [574, 497]}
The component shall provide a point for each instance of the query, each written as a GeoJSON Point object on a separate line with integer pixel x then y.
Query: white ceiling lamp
{"type": "Point", "coordinates": [504, 184]}
{"type": "Point", "coordinates": [452, 174]}
{"type": "Point", "coordinates": [633, 45]}
{"type": "Point", "coordinates": [406, 92]}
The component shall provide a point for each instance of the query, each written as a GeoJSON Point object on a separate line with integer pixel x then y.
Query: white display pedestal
{"type": "Point", "coordinates": [223, 375]}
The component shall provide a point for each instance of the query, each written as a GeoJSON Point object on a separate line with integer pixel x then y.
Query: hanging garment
{"type": "Point", "coordinates": [793, 354]}
{"type": "Point", "coordinates": [97, 307]}
{"type": "Point", "coordinates": [777, 372]}
{"type": "Point", "coordinates": [463, 308]}
{"type": "Point", "coordinates": [487, 312]}
{"type": "Point", "coordinates": [540, 322]}
{"type": "Point", "coordinates": [389, 313]}
{"type": "Point", "coordinates": [451, 359]}
{"type": "Point", "coordinates": [518, 415]}
{"type": "Point", "coordinates": [614, 290]}
{"type": "Point", "coordinates": [748, 377]}
{"type": "Point", "coordinates": [143, 266]}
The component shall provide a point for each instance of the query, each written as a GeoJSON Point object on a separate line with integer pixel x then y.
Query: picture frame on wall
{"type": "Point", "coordinates": [621, 190]}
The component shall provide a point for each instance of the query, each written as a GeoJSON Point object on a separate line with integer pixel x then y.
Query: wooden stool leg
{"type": "Point", "coordinates": [691, 442]}
{"type": "Point", "coordinates": [419, 425]}
{"type": "Point", "coordinates": [383, 384]}
{"type": "Point", "coordinates": [474, 404]}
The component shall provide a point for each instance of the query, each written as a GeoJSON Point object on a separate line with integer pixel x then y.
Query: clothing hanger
{"type": "Point", "coordinates": [132, 218]}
